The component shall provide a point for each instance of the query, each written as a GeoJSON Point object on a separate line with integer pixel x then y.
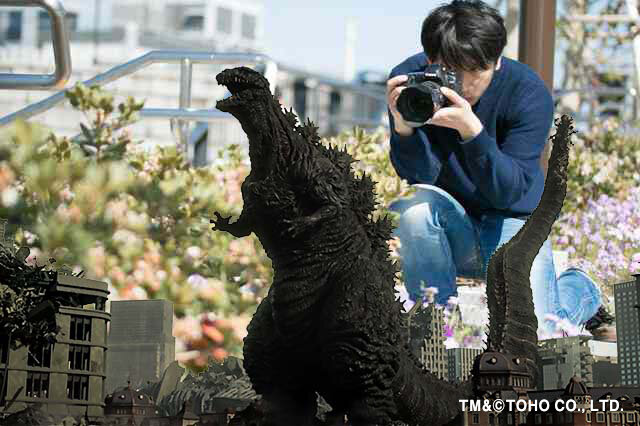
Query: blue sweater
{"type": "Point", "coordinates": [499, 170]}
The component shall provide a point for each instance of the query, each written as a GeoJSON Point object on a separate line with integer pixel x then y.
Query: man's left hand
{"type": "Point", "coordinates": [458, 116]}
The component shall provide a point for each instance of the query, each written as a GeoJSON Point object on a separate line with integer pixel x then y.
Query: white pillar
{"type": "Point", "coordinates": [131, 35]}
{"type": "Point", "coordinates": [349, 49]}
{"type": "Point", "coordinates": [30, 27]}
{"type": "Point", "coordinates": [209, 20]}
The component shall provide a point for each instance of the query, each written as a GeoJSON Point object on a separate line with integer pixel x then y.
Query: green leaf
{"type": "Point", "coordinates": [87, 134]}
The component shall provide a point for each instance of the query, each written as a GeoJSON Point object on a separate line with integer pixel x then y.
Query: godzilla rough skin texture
{"type": "Point", "coordinates": [512, 322]}
{"type": "Point", "coordinates": [330, 323]}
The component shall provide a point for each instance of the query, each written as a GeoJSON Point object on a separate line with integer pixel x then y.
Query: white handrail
{"type": "Point", "coordinates": [61, 51]}
{"type": "Point", "coordinates": [184, 57]}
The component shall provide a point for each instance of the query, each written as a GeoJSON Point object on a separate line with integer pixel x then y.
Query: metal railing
{"type": "Point", "coordinates": [61, 51]}
{"type": "Point", "coordinates": [180, 116]}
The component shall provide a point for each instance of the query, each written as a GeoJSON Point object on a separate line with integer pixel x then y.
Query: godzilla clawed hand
{"type": "Point", "coordinates": [239, 228]}
{"type": "Point", "coordinates": [221, 223]}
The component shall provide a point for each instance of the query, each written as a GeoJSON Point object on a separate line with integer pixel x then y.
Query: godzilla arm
{"type": "Point", "coordinates": [321, 188]}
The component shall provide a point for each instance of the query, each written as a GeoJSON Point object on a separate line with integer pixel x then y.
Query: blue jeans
{"type": "Point", "coordinates": [440, 241]}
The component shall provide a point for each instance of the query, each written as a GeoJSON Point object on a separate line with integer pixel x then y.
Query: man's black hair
{"type": "Point", "coordinates": [467, 35]}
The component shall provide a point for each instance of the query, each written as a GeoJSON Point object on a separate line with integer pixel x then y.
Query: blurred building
{"type": "Point", "coordinates": [223, 25]}
{"type": "Point", "coordinates": [141, 342]}
{"type": "Point", "coordinates": [31, 26]}
{"type": "Point", "coordinates": [627, 307]}
{"type": "Point", "coordinates": [219, 24]}
{"type": "Point", "coordinates": [108, 33]}
{"type": "Point", "coordinates": [66, 377]}
{"type": "Point", "coordinates": [460, 362]}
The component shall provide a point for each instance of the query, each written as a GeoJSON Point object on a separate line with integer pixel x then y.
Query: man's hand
{"type": "Point", "coordinates": [458, 116]}
{"type": "Point", "coordinates": [394, 87]}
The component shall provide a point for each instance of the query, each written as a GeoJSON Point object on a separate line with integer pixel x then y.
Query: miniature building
{"type": "Point", "coordinates": [432, 351]}
{"type": "Point", "coordinates": [141, 342]}
{"type": "Point", "coordinates": [497, 375]}
{"type": "Point", "coordinates": [128, 406]}
{"type": "Point", "coordinates": [627, 307]}
{"type": "Point", "coordinates": [211, 397]}
{"type": "Point", "coordinates": [606, 372]}
{"type": "Point", "coordinates": [67, 377]}
{"type": "Point", "coordinates": [564, 358]}
{"type": "Point", "coordinates": [494, 371]}
{"type": "Point", "coordinates": [460, 363]}
{"type": "Point", "coordinates": [584, 398]}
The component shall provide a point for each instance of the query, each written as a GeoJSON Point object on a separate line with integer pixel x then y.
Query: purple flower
{"type": "Point", "coordinates": [448, 330]}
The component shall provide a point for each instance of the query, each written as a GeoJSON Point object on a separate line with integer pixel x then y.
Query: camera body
{"type": "Point", "coordinates": [422, 96]}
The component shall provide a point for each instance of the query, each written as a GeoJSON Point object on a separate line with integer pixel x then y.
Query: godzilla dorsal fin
{"type": "Point", "coordinates": [310, 132]}
{"type": "Point", "coordinates": [291, 118]}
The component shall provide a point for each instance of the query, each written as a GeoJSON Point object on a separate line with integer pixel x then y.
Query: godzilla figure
{"type": "Point", "coordinates": [331, 323]}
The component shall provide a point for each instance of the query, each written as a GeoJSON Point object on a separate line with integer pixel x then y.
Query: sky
{"type": "Point", "coordinates": [311, 34]}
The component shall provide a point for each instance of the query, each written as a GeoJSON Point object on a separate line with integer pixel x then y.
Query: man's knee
{"type": "Point", "coordinates": [424, 210]}
{"type": "Point", "coordinates": [417, 219]}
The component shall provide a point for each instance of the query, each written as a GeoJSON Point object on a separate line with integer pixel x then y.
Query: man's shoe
{"type": "Point", "coordinates": [601, 325]}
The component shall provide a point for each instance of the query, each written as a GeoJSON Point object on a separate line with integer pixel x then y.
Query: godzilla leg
{"type": "Point", "coordinates": [273, 373]}
{"type": "Point", "coordinates": [355, 368]}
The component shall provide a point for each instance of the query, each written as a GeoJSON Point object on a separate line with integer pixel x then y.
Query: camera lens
{"type": "Point", "coordinates": [421, 105]}
{"type": "Point", "coordinates": [417, 104]}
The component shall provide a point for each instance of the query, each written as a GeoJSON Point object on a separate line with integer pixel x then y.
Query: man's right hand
{"type": "Point", "coordinates": [394, 87]}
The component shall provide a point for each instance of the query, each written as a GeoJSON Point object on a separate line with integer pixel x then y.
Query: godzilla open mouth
{"type": "Point", "coordinates": [242, 89]}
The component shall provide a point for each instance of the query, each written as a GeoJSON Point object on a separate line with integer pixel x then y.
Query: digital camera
{"type": "Point", "coordinates": [422, 96]}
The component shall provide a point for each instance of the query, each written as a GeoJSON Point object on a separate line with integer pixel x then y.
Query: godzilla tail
{"type": "Point", "coordinates": [421, 398]}
{"type": "Point", "coordinates": [512, 322]}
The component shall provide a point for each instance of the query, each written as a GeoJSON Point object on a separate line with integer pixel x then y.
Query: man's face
{"type": "Point", "coordinates": [475, 83]}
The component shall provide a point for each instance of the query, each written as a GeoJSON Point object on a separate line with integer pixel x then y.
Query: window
{"type": "Point", "coordinates": [475, 419]}
{"type": "Point", "coordinates": [80, 328]}
{"type": "Point", "coordinates": [509, 418]}
{"type": "Point", "coordinates": [14, 32]}
{"type": "Point", "coordinates": [77, 387]}
{"type": "Point", "coordinates": [79, 357]}
{"type": "Point", "coordinates": [40, 357]}
{"type": "Point", "coordinates": [193, 22]}
{"type": "Point", "coordinates": [569, 417]}
{"type": "Point", "coordinates": [615, 417]}
{"type": "Point", "coordinates": [71, 19]}
{"type": "Point", "coordinates": [4, 349]}
{"type": "Point", "coordinates": [248, 26]}
{"type": "Point", "coordinates": [200, 153]}
{"type": "Point", "coordinates": [600, 417]}
{"type": "Point", "coordinates": [44, 21]}
{"type": "Point", "coordinates": [630, 417]}
{"type": "Point", "coordinates": [37, 385]}
{"type": "Point", "coordinates": [224, 17]}
{"type": "Point", "coordinates": [492, 419]}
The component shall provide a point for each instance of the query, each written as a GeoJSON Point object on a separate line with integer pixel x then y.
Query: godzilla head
{"type": "Point", "coordinates": [257, 110]}
{"type": "Point", "coordinates": [250, 98]}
